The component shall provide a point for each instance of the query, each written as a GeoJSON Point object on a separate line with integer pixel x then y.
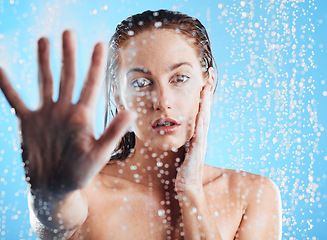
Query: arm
{"type": "Point", "coordinates": [50, 218]}
{"type": "Point", "coordinates": [61, 155]}
{"type": "Point", "coordinates": [198, 223]}
{"type": "Point", "coordinates": [262, 218]}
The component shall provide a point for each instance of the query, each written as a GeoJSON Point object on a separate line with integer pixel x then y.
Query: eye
{"type": "Point", "coordinates": [140, 82]}
{"type": "Point", "coordinates": [181, 78]}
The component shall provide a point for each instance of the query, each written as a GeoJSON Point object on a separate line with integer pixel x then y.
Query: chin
{"type": "Point", "coordinates": [167, 145]}
{"type": "Point", "coordinates": [170, 143]}
{"type": "Point", "coordinates": [166, 142]}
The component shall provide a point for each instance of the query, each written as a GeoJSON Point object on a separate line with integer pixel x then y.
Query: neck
{"type": "Point", "coordinates": [152, 167]}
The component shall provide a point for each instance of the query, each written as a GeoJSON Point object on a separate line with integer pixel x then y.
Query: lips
{"type": "Point", "coordinates": [164, 121]}
{"type": "Point", "coordinates": [165, 125]}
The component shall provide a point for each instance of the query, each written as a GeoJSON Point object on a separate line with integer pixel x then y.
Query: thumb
{"type": "Point", "coordinates": [116, 130]}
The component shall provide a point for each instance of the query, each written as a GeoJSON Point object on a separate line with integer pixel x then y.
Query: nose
{"type": "Point", "coordinates": [161, 99]}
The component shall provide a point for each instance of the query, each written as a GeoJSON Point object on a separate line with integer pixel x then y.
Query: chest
{"type": "Point", "coordinates": [139, 214]}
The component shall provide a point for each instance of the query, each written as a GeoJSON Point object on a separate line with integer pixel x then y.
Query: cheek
{"type": "Point", "coordinates": [140, 104]}
{"type": "Point", "coordinates": [137, 101]}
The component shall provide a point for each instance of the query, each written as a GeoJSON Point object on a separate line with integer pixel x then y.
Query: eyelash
{"type": "Point", "coordinates": [182, 76]}
{"type": "Point", "coordinates": [176, 78]}
{"type": "Point", "coordinates": [135, 82]}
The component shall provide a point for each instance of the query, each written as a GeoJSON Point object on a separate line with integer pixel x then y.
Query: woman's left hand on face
{"type": "Point", "coordinates": [189, 176]}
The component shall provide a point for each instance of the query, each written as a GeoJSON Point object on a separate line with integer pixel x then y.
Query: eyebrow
{"type": "Point", "coordinates": [141, 70]}
{"type": "Point", "coordinates": [177, 65]}
{"type": "Point", "coordinates": [170, 68]}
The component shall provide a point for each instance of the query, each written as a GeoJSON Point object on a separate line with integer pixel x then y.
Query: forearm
{"type": "Point", "coordinates": [64, 214]}
{"type": "Point", "coordinates": [198, 223]}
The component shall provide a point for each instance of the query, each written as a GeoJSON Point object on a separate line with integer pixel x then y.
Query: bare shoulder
{"type": "Point", "coordinates": [251, 187]}
{"type": "Point", "coordinates": [257, 188]}
{"type": "Point", "coordinates": [239, 177]}
{"type": "Point", "coordinates": [256, 196]}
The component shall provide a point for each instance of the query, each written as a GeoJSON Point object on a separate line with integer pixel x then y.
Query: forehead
{"type": "Point", "coordinates": [157, 48]}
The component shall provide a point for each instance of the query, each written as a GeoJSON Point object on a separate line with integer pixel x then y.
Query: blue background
{"type": "Point", "coordinates": [270, 108]}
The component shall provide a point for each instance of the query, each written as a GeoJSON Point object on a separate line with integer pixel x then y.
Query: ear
{"type": "Point", "coordinates": [211, 79]}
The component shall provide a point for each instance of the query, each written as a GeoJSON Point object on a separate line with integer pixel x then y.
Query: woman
{"type": "Point", "coordinates": [160, 70]}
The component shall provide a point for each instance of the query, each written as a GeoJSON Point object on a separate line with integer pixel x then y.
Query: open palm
{"type": "Point", "coordinates": [60, 151]}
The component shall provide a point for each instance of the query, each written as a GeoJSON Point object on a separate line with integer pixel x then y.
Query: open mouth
{"type": "Point", "coordinates": [165, 124]}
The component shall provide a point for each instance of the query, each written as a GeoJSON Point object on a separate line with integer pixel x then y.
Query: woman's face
{"type": "Point", "coordinates": [161, 79]}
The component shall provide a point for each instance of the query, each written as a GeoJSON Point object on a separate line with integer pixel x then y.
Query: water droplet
{"type": "Point", "coordinates": [158, 24]}
{"type": "Point", "coordinates": [104, 8]}
{"type": "Point", "coordinates": [94, 12]}
{"type": "Point", "coordinates": [194, 210]}
{"type": "Point", "coordinates": [161, 212]}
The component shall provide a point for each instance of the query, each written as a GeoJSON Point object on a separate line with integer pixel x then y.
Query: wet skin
{"type": "Point", "coordinates": [137, 198]}
{"type": "Point", "coordinates": [125, 210]}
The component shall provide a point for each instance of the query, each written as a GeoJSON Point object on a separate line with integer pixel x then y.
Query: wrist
{"type": "Point", "coordinates": [53, 212]}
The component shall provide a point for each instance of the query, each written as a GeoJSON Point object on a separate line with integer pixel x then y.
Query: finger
{"type": "Point", "coordinates": [203, 116]}
{"type": "Point", "coordinates": [44, 74]}
{"type": "Point", "coordinates": [115, 131]}
{"type": "Point", "coordinates": [202, 121]}
{"type": "Point", "coordinates": [67, 77]}
{"type": "Point", "coordinates": [12, 96]}
{"type": "Point", "coordinates": [205, 105]}
{"type": "Point", "coordinates": [92, 84]}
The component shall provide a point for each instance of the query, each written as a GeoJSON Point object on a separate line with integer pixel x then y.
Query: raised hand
{"type": "Point", "coordinates": [60, 151]}
{"type": "Point", "coordinates": [189, 176]}
{"type": "Point", "coordinates": [198, 221]}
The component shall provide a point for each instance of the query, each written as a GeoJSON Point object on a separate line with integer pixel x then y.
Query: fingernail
{"type": "Point", "coordinates": [65, 35]}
